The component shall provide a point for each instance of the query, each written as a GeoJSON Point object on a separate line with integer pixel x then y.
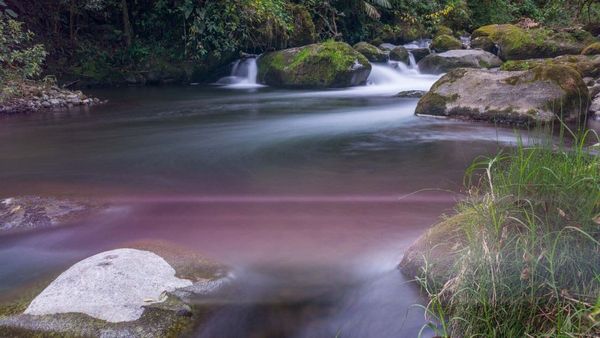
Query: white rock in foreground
{"type": "Point", "coordinates": [112, 286]}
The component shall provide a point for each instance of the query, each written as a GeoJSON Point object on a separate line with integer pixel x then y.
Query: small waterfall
{"type": "Point", "coordinates": [243, 75]}
{"type": "Point", "coordinates": [412, 61]}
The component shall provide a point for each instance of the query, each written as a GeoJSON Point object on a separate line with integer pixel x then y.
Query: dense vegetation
{"type": "Point", "coordinates": [527, 260]}
{"type": "Point", "coordinates": [112, 40]}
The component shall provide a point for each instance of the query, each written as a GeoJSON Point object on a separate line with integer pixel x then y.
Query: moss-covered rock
{"type": "Point", "coordinates": [443, 30]}
{"type": "Point", "coordinates": [400, 54]}
{"type": "Point", "coordinates": [371, 52]}
{"type": "Point", "coordinates": [326, 65]}
{"type": "Point", "coordinates": [420, 53]}
{"type": "Point", "coordinates": [484, 43]}
{"type": "Point", "coordinates": [516, 43]}
{"type": "Point", "coordinates": [585, 65]}
{"type": "Point", "coordinates": [593, 49]}
{"type": "Point", "coordinates": [460, 58]}
{"type": "Point", "coordinates": [444, 43]}
{"type": "Point", "coordinates": [539, 95]}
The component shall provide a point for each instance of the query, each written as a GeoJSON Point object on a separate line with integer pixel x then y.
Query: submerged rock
{"type": "Point", "coordinates": [413, 94]}
{"type": "Point", "coordinates": [371, 52]}
{"type": "Point", "coordinates": [122, 293]}
{"type": "Point", "coordinates": [325, 65]}
{"type": "Point", "coordinates": [460, 58]}
{"type": "Point", "coordinates": [443, 43]}
{"type": "Point", "coordinates": [31, 212]}
{"type": "Point", "coordinates": [538, 95]}
{"type": "Point", "coordinates": [515, 43]}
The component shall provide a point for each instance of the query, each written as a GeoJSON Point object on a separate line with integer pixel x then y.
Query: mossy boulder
{"type": "Point", "coordinates": [419, 53]}
{"type": "Point", "coordinates": [443, 43]}
{"type": "Point", "coordinates": [515, 43]}
{"type": "Point", "coordinates": [585, 65]}
{"type": "Point", "coordinates": [593, 49]}
{"type": "Point", "coordinates": [443, 30]}
{"type": "Point", "coordinates": [484, 43]}
{"type": "Point", "coordinates": [460, 58]}
{"type": "Point", "coordinates": [371, 52]}
{"type": "Point", "coordinates": [128, 292]}
{"type": "Point", "coordinates": [325, 65]}
{"type": "Point", "coordinates": [400, 54]}
{"type": "Point", "coordinates": [539, 95]}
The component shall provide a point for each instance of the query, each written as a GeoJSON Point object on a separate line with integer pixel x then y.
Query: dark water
{"type": "Point", "coordinates": [311, 197]}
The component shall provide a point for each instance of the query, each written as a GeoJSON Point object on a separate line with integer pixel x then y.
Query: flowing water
{"type": "Point", "coordinates": [310, 196]}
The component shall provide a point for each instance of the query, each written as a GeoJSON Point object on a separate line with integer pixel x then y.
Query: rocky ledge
{"type": "Point", "coordinates": [36, 98]}
{"type": "Point", "coordinates": [149, 291]}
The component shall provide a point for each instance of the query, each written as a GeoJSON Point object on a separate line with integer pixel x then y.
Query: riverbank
{"type": "Point", "coordinates": [520, 257]}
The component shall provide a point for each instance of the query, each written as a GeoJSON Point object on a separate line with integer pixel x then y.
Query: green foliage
{"type": "Point", "coordinates": [19, 57]}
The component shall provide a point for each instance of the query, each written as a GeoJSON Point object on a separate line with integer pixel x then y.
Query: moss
{"type": "Point", "coordinates": [443, 43]}
{"type": "Point", "coordinates": [328, 64]}
{"type": "Point", "coordinates": [304, 31]}
{"type": "Point", "coordinates": [577, 97]}
{"type": "Point", "coordinates": [592, 49]}
{"type": "Point", "coordinates": [443, 30]}
{"type": "Point", "coordinates": [517, 43]}
{"type": "Point", "coordinates": [400, 54]}
{"type": "Point", "coordinates": [371, 52]}
{"type": "Point", "coordinates": [432, 104]}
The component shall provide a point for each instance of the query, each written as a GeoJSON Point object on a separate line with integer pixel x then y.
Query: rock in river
{"type": "Point", "coordinates": [524, 97]}
{"type": "Point", "coordinates": [371, 52]}
{"type": "Point", "coordinates": [325, 65]}
{"type": "Point", "coordinates": [32, 212]}
{"type": "Point", "coordinates": [125, 292]}
{"type": "Point", "coordinates": [460, 58]}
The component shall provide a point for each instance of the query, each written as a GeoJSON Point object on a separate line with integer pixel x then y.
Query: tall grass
{"type": "Point", "coordinates": [530, 265]}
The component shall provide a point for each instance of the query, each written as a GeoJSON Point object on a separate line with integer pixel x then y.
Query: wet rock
{"type": "Point", "coordinates": [371, 52]}
{"type": "Point", "coordinates": [325, 65]}
{"type": "Point", "coordinates": [387, 46]}
{"type": "Point", "coordinates": [400, 54]}
{"type": "Point", "coordinates": [595, 106]}
{"type": "Point", "coordinates": [413, 94]}
{"type": "Point", "coordinates": [35, 97]}
{"type": "Point", "coordinates": [420, 53]}
{"type": "Point", "coordinates": [443, 43]}
{"type": "Point", "coordinates": [484, 43]}
{"type": "Point", "coordinates": [127, 292]}
{"type": "Point", "coordinates": [460, 58]}
{"type": "Point", "coordinates": [29, 213]}
{"type": "Point", "coordinates": [526, 97]}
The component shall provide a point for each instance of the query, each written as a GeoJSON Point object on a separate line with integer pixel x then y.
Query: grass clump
{"type": "Point", "coordinates": [528, 264]}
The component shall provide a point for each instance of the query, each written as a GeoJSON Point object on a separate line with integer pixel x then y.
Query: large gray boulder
{"type": "Point", "coordinates": [524, 97]}
{"type": "Point", "coordinates": [324, 65]}
{"type": "Point", "coordinates": [112, 286]}
{"type": "Point", "coordinates": [459, 58]}
{"type": "Point", "coordinates": [150, 291]}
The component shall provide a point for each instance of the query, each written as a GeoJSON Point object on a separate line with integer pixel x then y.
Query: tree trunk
{"type": "Point", "coordinates": [127, 30]}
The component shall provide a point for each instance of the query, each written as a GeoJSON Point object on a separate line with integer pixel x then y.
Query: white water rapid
{"type": "Point", "coordinates": [243, 75]}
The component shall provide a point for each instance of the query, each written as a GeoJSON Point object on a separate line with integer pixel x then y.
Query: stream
{"type": "Point", "coordinates": [310, 196]}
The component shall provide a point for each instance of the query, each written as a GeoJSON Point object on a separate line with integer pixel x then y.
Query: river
{"type": "Point", "coordinates": [310, 196]}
